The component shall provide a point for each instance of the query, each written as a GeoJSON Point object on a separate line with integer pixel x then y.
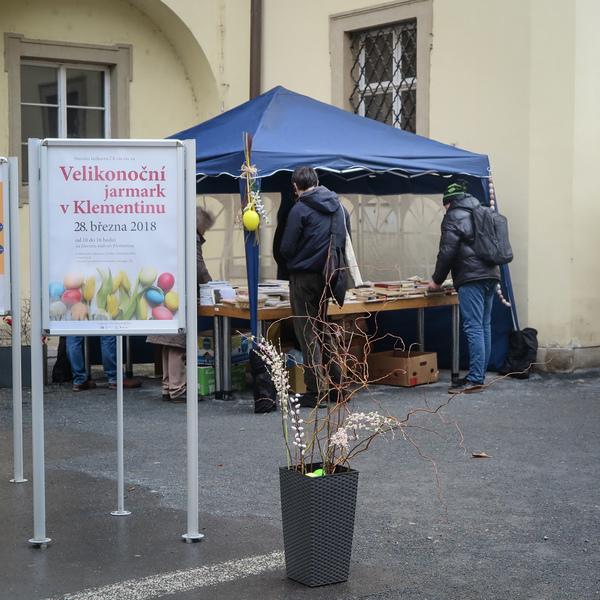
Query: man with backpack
{"type": "Point", "coordinates": [315, 231]}
{"type": "Point", "coordinates": [474, 242]}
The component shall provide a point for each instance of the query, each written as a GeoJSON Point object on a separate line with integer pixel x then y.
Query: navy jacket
{"type": "Point", "coordinates": [306, 237]}
{"type": "Point", "coordinates": [456, 246]}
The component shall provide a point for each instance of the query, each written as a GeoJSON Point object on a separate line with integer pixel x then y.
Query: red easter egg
{"type": "Point", "coordinates": [71, 297]}
{"type": "Point", "coordinates": [161, 313]}
{"type": "Point", "coordinates": [165, 282]}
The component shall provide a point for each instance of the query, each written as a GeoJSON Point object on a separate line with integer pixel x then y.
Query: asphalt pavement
{"type": "Point", "coordinates": [432, 522]}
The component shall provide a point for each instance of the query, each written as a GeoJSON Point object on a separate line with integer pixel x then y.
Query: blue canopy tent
{"type": "Point", "coordinates": [353, 154]}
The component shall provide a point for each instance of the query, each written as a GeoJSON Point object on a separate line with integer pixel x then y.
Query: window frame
{"type": "Point", "coordinates": [343, 25]}
{"type": "Point", "coordinates": [116, 59]}
{"type": "Point", "coordinates": [62, 105]}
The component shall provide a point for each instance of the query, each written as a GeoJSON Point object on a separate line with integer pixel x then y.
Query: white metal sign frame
{"type": "Point", "coordinates": [187, 183]}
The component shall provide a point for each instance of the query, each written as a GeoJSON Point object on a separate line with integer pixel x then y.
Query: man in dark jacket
{"type": "Point", "coordinates": [474, 279]}
{"type": "Point", "coordinates": [316, 215]}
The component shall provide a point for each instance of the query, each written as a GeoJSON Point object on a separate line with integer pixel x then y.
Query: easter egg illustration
{"type": "Point", "coordinates": [251, 220]}
{"type": "Point", "coordinates": [56, 289]}
{"type": "Point", "coordinates": [154, 296]}
{"type": "Point", "coordinates": [147, 276]}
{"type": "Point", "coordinates": [71, 297]}
{"type": "Point", "coordinates": [161, 313]}
{"type": "Point", "coordinates": [57, 310]}
{"type": "Point", "coordinates": [79, 311]}
{"type": "Point", "coordinates": [165, 281]}
{"type": "Point", "coordinates": [73, 281]}
{"type": "Point", "coordinates": [172, 301]}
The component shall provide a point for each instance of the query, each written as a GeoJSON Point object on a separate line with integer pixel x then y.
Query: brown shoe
{"type": "Point", "coordinates": [132, 383]}
{"type": "Point", "coordinates": [86, 385]}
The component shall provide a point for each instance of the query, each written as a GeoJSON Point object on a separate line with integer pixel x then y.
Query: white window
{"type": "Point", "coordinates": [63, 100]}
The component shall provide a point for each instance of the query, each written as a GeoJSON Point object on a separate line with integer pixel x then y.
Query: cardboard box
{"type": "Point", "coordinates": [402, 368]}
{"type": "Point", "coordinates": [206, 379]}
{"type": "Point", "coordinates": [296, 379]}
{"type": "Point", "coordinates": [240, 347]}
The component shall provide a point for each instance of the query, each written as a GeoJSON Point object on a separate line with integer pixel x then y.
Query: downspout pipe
{"type": "Point", "coordinates": [256, 10]}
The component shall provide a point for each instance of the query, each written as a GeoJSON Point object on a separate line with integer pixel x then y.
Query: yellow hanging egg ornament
{"type": "Point", "coordinates": [251, 220]}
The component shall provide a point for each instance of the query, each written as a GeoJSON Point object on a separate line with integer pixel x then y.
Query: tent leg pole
{"type": "Point", "coordinates": [226, 354]}
{"type": "Point", "coordinates": [455, 342]}
{"type": "Point", "coordinates": [218, 344]}
{"type": "Point", "coordinates": [421, 328]}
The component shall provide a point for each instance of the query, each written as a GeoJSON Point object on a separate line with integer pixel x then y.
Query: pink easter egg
{"type": "Point", "coordinates": [161, 313]}
{"type": "Point", "coordinates": [71, 297]}
{"type": "Point", "coordinates": [165, 282]}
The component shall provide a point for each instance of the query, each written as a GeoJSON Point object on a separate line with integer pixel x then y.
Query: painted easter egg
{"type": "Point", "coordinates": [154, 296]}
{"type": "Point", "coordinates": [251, 220]}
{"type": "Point", "coordinates": [161, 313]}
{"type": "Point", "coordinates": [56, 289]}
{"type": "Point", "coordinates": [57, 310]}
{"type": "Point", "coordinates": [172, 301]}
{"type": "Point", "coordinates": [147, 276]}
{"type": "Point", "coordinates": [71, 297]}
{"type": "Point", "coordinates": [73, 281]}
{"type": "Point", "coordinates": [79, 311]}
{"type": "Point", "coordinates": [165, 281]}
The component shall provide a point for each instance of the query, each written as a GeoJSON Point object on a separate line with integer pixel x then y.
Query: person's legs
{"type": "Point", "coordinates": [164, 354]}
{"type": "Point", "coordinates": [108, 346]}
{"type": "Point", "coordinates": [176, 366]}
{"type": "Point", "coordinates": [75, 354]}
{"type": "Point", "coordinates": [472, 300]}
{"type": "Point", "coordinates": [305, 295]}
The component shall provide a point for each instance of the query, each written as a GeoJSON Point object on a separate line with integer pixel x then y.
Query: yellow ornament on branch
{"type": "Point", "coordinates": [251, 220]}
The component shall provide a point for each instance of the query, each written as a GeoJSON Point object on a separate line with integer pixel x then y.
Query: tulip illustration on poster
{"type": "Point", "coordinates": [112, 218]}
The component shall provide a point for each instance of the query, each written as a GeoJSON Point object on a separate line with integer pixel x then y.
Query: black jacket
{"type": "Point", "coordinates": [305, 240]}
{"type": "Point", "coordinates": [456, 251]}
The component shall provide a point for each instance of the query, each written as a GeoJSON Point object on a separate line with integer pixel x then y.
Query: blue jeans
{"type": "Point", "coordinates": [108, 347]}
{"type": "Point", "coordinates": [476, 299]}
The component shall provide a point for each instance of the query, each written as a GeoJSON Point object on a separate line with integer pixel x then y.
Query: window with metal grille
{"type": "Point", "coordinates": [384, 74]}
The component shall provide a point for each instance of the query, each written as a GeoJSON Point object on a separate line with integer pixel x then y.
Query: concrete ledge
{"type": "Point", "coordinates": [567, 360]}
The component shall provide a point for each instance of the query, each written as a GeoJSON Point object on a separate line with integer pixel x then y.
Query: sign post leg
{"type": "Point", "coordinates": [37, 356]}
{"type": "Point", "coordinates": [15, 302]}
{"type": "Point", "coordinates": [120, 512]}
{"type": "Point", "coordinates": [192, 534]}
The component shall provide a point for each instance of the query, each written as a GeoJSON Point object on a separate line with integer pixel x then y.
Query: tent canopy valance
{"type": "Point", "coordinates": [353, 154]}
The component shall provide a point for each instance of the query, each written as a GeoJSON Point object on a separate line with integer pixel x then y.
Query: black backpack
{"type": "Point", "coordinates": [522, 353]}
{"type": "Point", "coordinates": [335, 270]}
{"type": "Point", "coordinates": [490, 231]}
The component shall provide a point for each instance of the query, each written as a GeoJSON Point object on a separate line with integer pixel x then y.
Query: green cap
{"type": "Point", "coordinates": [453, 190]}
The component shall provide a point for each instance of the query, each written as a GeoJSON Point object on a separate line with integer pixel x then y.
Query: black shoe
{"type": "Point", "coordinates": [468, 387]}
{"type": "Point", "coordinates": [178, 399]}
{"type": "Point", "coordinates": [264, 405]}
{"type": "Point", "coordinates": [86, 385]}
{"type": "Point", "coordinates": [311, 400]}
{"type": "Point", "coordinates": [337, 397]}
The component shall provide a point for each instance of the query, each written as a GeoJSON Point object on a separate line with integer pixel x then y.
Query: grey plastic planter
{"type": "Point", "coordinates": [6, 366]}
{"type": "Point", "coordinates": [318, 525]}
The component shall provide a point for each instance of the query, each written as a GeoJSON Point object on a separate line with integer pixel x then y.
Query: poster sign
{"type": "Point", "coordinates": [4, 241]}
{"type": "Point", "coordinates": [113, 236]}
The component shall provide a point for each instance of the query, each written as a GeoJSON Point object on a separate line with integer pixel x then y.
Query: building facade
{"type": "Point", "coordinates": [514, 79]}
